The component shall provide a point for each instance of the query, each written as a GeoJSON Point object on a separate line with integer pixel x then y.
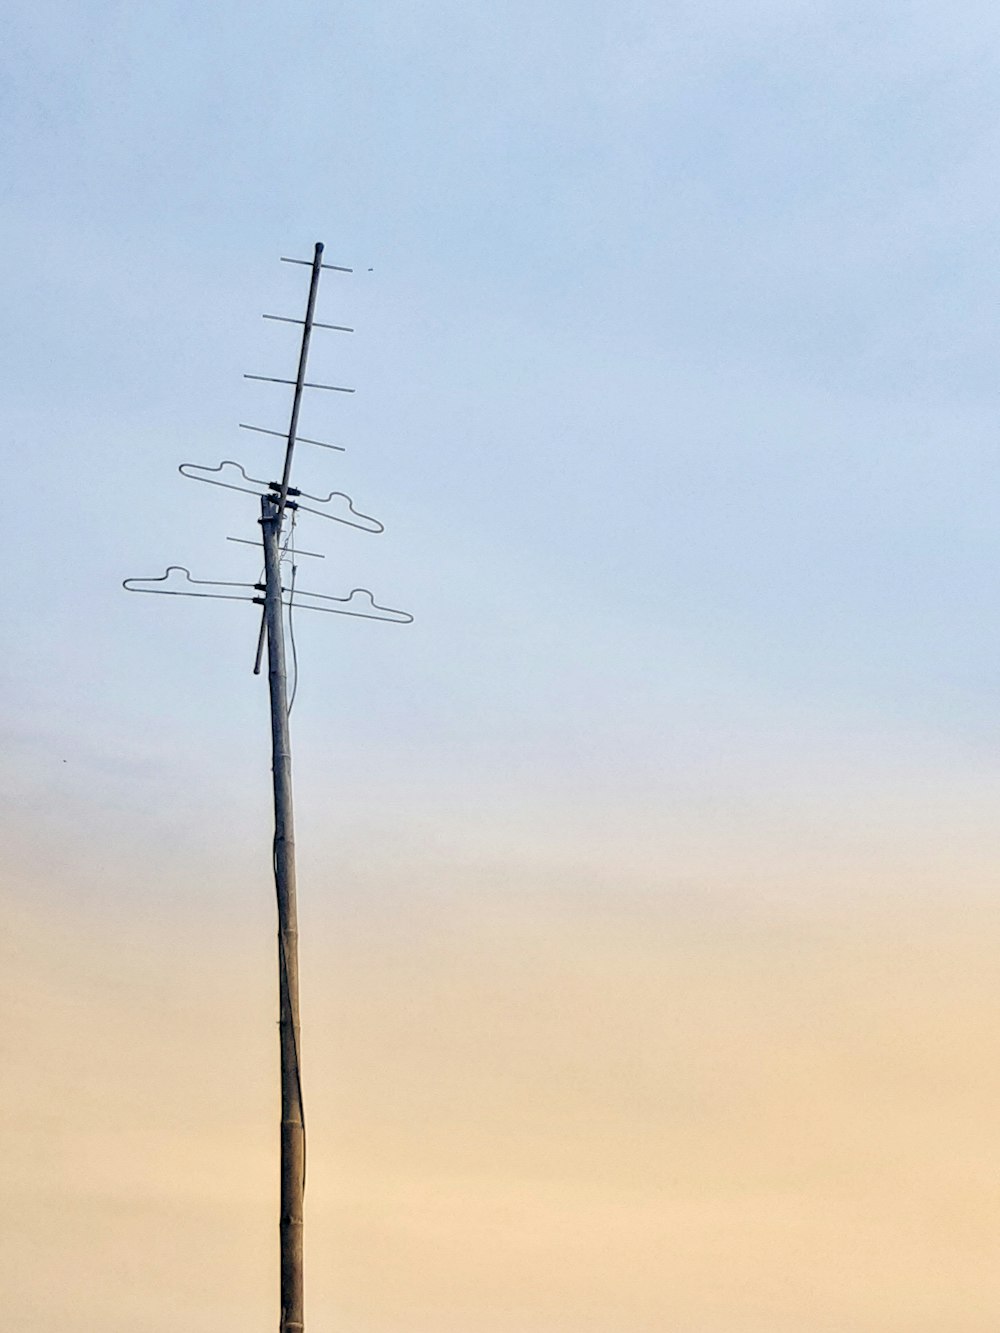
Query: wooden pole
{"type": "Point", "coordinates": [292, 1125]}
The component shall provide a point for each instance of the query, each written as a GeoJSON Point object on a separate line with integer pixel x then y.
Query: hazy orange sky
{"type": "Point", "coordinates": [648, 880]}
{"type": "Point", "coordinates": [735, 1099]}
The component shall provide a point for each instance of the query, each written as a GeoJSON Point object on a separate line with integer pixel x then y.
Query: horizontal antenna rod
{"type": "Point", "coordinates": [285, 550]}
{"type": "Point", "coordinates": [304, 384]}
{"type": "Point", "coordinates": [301, 439]}
{"type": "Point", "coordinates": [287, 319]}
{"type": "Point", "coordinates": [338, 267]}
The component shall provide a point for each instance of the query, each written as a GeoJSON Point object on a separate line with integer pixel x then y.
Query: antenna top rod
{"type": "Point", "coordinates": [293, 426]}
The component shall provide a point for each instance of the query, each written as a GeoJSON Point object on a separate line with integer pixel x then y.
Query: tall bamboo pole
{"type": "Point", "coordinates": [292, 1125]}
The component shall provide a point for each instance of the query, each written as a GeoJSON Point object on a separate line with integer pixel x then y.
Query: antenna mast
{"type": "Point", "coordinates": [293, 1132]}
{"type": "Point", "coordinates": [277, 499]}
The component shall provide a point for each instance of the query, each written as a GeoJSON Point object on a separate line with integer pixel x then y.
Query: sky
{"type": "Point", "coordinates": [648, 879]}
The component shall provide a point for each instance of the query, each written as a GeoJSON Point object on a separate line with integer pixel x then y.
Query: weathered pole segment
{"type": "Point", "coordinates": [292, 1124]}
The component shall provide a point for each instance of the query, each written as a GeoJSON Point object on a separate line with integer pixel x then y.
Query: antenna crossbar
{"type": "Point", "coordinates": [299, 385]}
{"type": "Point", "coordinates": [287, 319]}
{"type": "Point", "coordinates": [339, 268]}
{"type": "Point", "coordinates": [301, 439]}
{"type": "Point", "coordinates": [285, 550]}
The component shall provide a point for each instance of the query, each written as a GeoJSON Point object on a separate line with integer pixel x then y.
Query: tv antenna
{"type": "Point", "coordinates": [280, 505]}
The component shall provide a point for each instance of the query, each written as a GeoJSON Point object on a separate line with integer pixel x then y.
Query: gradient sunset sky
{"type": "Point", "coordinates": [648, 881]}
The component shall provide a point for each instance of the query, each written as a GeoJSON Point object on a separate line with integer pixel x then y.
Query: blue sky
{"type": "Point", "coordinates": [676, 378]}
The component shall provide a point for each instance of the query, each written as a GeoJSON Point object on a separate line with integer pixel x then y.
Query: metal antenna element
{"type": "Point", "coordinates": [279, 602]}
{"type": "Point", "coordinates": [286, 551]}
{"type": "Point", "coordinates": [196, 471]}
{"type": "Point", "coordinates": [262, 430]}
{"type": "Point", "coordinates": [285, 319]}
{"type": "Point", "coordinates": [300, 376]}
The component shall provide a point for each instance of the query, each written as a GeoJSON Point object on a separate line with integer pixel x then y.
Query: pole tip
{"type": "Point", "coordinates": [319, 247]}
